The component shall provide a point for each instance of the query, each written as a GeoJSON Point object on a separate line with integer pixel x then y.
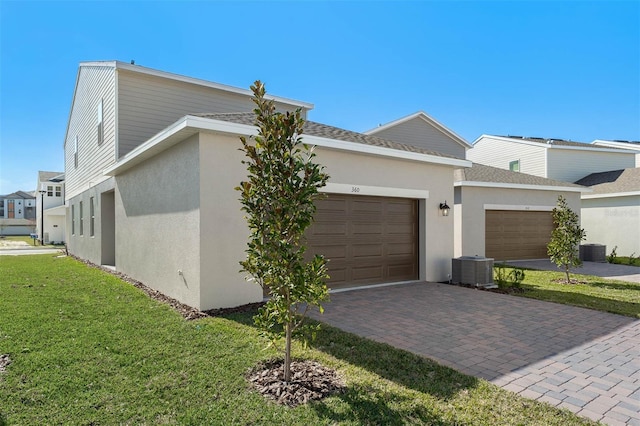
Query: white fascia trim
{"type": "Point", "coordinates": [426, 117]}
{"type": "Point", "coordinates": [200, 82]}
{"type": "Point", "coordinates": [611, 195]}
{"type": "Point", "coordinates": [521, 186]}
{"type": "Point", "coordinates": [512, 140]}
{"type": "Point", "coordinates": [518, 207]}
{"type": "Point", "coordinates": [378, 191]}
{"type": "Point", "coordinates": [613, 144]}
{"type": "Point", "coordinates": [588, 147]}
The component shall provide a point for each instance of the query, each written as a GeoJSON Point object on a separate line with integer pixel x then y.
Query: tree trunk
{"type": "Point", "coordinates": [566, 271]}
{"type": "Point", "coordinates": [287, 353]}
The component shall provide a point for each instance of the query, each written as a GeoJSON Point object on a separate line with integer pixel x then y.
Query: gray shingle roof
{"type": "Point", "coordinates": [19, 194]}
{"type": "Point", "coordinates": [626, 180]}
{"type": "Point", "coordinates": [482, 173]}
{"type": "Point", "coordinates": [313, 128]}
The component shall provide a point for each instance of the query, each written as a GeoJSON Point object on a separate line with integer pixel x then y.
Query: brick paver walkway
{"type": "Point", "coordinates": [580, 359]}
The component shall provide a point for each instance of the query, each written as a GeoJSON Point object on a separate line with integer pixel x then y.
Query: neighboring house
{"type": "Point", "coordinates": [506, 215]}
{"type": "Point", "coordinates": [151, 162]}
{"type": "Point", "coordinates": [611, 213]}
{"type": "Point", "coordinates": [50, 207]}
{"type": "Point", "coordinates": [628, 145]}
{"type": "Point", "coordinates": [19, 205]}
{"type": "Point", "coordinates": [550, 158]}
{"type": "Point", "coordinates": [17, 227]}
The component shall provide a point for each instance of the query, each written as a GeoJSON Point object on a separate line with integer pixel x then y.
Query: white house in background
{"type": "Point", "coordinates": [17, 213]}
{"type": "Point", "coordinates": [611, 213]}
{"type": "Point", "coordinates": [549, 158]}
{"type": "Point", "coordinates": [18, 205]}
{"type": "Point", "coordinates": [151, 162]}
{"type": "Point", "coordinates": [50, 207]}
{"type": "Point", "coordinates": [628, 145]}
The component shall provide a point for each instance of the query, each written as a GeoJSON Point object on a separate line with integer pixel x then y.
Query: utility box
{"type": "Point", "coordinates": [593, 253]}
{"type": "Point", "coordinates": [472, 270]}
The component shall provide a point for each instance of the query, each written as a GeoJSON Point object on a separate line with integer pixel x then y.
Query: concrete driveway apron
{"type": "Point", "coordinates": [583, 360]}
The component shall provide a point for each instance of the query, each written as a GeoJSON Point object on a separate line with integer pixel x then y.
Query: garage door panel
{"type": "Point", "coordinates": [367, 228]}
{"type": "Point", "coordinates": [513, 235]}
{"type": "Point", "coordinates": [369, 273]}
{"type": "Point", "coordinates": [367, 250]}
{"type": "Point", "coordinates": [378, 237]}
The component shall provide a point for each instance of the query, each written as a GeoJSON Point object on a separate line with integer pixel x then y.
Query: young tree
{"type": "Point", "coordinates": [278, 197]}
{"type": "Point", "coordinates": [565, 238]}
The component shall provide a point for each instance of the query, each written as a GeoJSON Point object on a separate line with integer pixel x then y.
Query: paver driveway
{"type": "Point", "coordinates": [580, 359]}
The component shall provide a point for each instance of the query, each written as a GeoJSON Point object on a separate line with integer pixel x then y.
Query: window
{"type": "Point", "coordinates": [49, 191]}
{"type": "Point", "coordinates": [73, 219]}
{"type": "Point", "coordinates": [91, 217]}
{"type": "Point", "coordinates": [100, 124]}
{"type": "Point", "coordinates": [58, 191]}
{"type": "Point", "coordinates": [514, 166]}
{"type": "Point", "coordinates": [81, 220]}
{"type": "Point", "coordinates": [75, 152]}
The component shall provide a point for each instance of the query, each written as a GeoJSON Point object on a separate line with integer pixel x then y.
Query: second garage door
{"type": "Point", "coordinates": [517, 235]}
{"type": "Point", "coordinates": [368, 240]}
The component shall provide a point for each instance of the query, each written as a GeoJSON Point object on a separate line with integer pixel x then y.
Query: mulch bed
{"type": "Point", "coordinates": [310, 381]}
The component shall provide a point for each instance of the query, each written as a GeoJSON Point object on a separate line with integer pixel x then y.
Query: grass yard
{"type": "Point", "coordinates": [87, 348]}
{"type": "Point", "coordinates": [618, 297]}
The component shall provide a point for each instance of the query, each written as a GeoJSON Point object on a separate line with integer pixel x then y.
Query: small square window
{"type": "Point", "coordinates": [514, 166]}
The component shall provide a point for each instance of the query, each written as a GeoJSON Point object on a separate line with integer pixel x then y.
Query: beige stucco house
{"type": "Point", "coordinates": [506, 215]}
{"type": "Point", "coordinates": [611, 212]}
{"type": "Point", "coordinates": [151, 162]}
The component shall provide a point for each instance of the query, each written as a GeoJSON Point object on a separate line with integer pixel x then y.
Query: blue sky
{"type": "Point", "coordinates": [566, 69]}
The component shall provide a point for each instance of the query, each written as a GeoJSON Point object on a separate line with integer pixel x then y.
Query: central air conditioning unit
{"type": "Point", "coordinates": [472, 270]}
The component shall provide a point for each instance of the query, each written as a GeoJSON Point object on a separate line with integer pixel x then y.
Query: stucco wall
{"type": "Point", "coordinates": [224, 233]}
{"type": "Point", "coordinates": [613, 221]}
{"type": "Point", "coordinates": [86, 246]}
{"type": "Point", "coordinates": [157, 209]}
{"type": "Point", "coordinates": [470, 229]}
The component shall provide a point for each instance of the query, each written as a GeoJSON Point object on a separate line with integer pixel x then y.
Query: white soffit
{"type": "Point", "coordinates": [521, 186]}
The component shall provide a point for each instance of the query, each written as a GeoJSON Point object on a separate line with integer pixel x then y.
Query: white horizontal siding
{"type": "Point", "coordinates": [418, 132]}
{"type": "Point", "coordinates": [499, 153]}
{"type": "Point", "coordinates": [148, 104]}
{"type": "Point", "coordinates": [94, 83]}
{"type": "Point", "coordinates": [572, 165]}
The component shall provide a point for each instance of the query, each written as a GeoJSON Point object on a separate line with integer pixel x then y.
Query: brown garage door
{"type": "Point", "coordinates": [515, 235]}
{"type": "Point", "coordinates": [367, 240]}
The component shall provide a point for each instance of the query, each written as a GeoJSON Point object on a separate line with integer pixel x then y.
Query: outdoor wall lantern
{"type": "Point", "coordinates": [445, 208]}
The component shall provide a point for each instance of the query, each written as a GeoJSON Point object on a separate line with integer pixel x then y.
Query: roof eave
{"type": "Point", "coordinates": [522, 186]}
{"type": "Point", "coordinates": [189, 125]}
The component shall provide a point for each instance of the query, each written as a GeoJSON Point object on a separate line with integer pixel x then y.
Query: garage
{"type": "Point", "coordinates": [516, 234]}
{"type": "Point", "coordinates": [367, 240]}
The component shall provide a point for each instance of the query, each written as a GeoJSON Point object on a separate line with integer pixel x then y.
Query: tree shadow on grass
{"type": "Point", "coordinates": [402, 367]}
{"type": "Point", "coordinates": [3, 421]}
{"type": "Point", "coordinates": [369, 404]}
{"type": "Point", "coordinates": [620, 285]}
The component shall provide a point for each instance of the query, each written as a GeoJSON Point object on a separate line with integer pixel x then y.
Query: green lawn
{"type": "Point", "coordinates": [618, 297]}
{"type": "Point", "coordinates": [87, 348]}
{"type": "Point", "coordinates": [27, 239]}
